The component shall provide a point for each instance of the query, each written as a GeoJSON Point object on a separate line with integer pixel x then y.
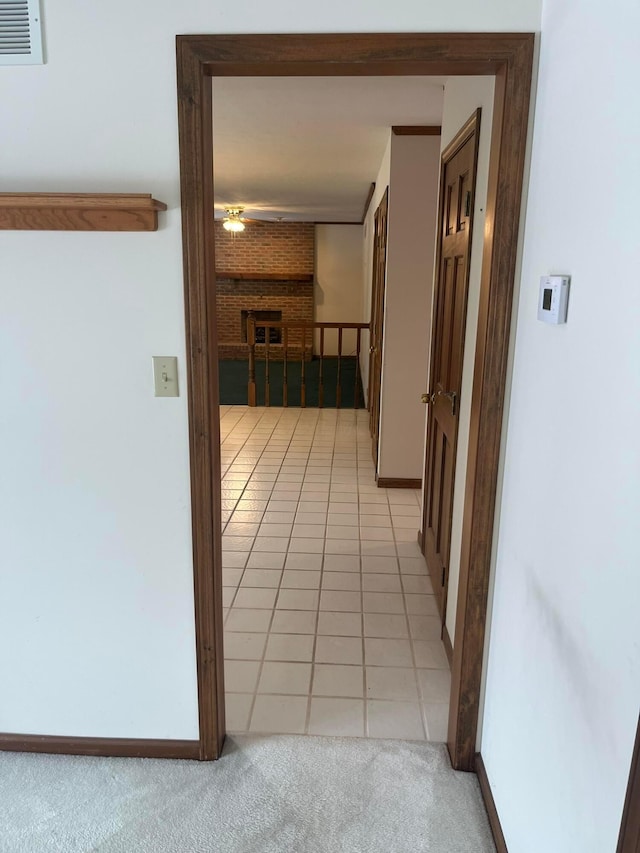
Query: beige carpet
{"type": "Point", "coordinates": [279, 794]}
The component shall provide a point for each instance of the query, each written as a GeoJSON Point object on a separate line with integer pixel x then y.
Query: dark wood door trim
{"type": "Point", "coordinates": [196, 186]}
{"type": "Point", "coordinates": [629, 840]}
{"type": "Point", "coordinates": [376, 323]}
{"type": "Point", "coordinates": [502, 217]}
{"type": "Point", "coordinates": [368, 201]}
{"type": "Point", "coordinates": [509, 56]}
{"type": "Point", "coordinates": [416, 129]}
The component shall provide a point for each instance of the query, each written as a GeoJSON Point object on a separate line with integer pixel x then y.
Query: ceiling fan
{"type": "Point", "coordinates": [234, 221]}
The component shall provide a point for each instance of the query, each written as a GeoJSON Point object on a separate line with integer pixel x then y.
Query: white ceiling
{"type": "Point", "coordinates": [308, 148]}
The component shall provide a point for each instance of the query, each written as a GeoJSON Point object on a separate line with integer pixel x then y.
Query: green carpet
{"type": "Point", "coordinates": [234, 376]}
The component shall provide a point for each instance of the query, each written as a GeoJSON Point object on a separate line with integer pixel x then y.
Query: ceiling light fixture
{"type": "Point", "coordinates": [232, 221]}
{"type": "Point", "coordinates": [233, 225]}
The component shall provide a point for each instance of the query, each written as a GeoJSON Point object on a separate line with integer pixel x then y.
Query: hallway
{"type": "Point", "coordinates": [330, 623]}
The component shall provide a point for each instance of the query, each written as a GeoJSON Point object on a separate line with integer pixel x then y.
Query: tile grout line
{"type": "Point", "coordinates": [259, 673]}
{"type": "Point", "coordinates": [271, 619]}
{"type": "Point", "coordinates": [362, 619]}
{"type": "Point", "coordinates": [314, 644]}
{"type": "Point", "coordinates": [345, 480]}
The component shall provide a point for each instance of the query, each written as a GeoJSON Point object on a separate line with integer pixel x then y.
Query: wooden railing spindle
{"type": "Point", "coordinates": [320, 378]}
{"type": "Point", "coordinates": [338, 384]}
{"type": "Point", "coordinates": [267, 336]}
{"type": "Point", "coordinates": [251, 340]}
{"type": "Point", "coordinates": [285, 385]}
{"type": "Point", "coordinates": [356, 388]}
{"type": "Point", "coordinates": [303, 388]}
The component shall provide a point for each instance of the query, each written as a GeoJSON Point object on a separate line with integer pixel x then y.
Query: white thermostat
{"type": "Point", "coordinates": [553, 299]}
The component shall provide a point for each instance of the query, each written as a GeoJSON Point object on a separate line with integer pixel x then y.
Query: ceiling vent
{"type": "Point", "coordinates": [20, 32]}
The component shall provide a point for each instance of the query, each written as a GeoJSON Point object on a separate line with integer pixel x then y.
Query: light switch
{"type": "Point", "coordinates": [165, 375]}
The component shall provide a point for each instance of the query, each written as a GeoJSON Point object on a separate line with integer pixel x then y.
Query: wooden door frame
{"type": "Point", "coordinates": [629, 838]}
{"type": "Point", "coordinates": [376, 313]}
{"type": "Point", "coordinates": [507, 56]}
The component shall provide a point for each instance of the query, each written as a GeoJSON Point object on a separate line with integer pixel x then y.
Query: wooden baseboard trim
{"type": "Point", "coordinates": [398, 483]}
{"type": "Point", "coordinates": [489, 804]}
{"type": "Point", "coordinates": [448, 645]}
{"type": "Point", "coordinates": [111, 747]}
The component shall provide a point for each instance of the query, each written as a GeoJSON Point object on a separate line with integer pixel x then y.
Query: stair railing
{"type": "Point", "coordinates": [297, 338]}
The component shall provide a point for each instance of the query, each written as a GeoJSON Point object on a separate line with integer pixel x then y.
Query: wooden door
{"type": "Point", "coordinates": [378, 282]}
{"type": "Point", "coordinates": [457, 190]}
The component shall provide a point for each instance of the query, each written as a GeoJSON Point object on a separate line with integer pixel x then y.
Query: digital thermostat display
{"type": "Point", "coordinates": [553, 299]}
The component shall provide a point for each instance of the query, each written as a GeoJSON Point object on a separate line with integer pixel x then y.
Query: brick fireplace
{"type": "Point", "coordinates": [267, 268]}
{"type": "Point", "coordinates": [293, 299]}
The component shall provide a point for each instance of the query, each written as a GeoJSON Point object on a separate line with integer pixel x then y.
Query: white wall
{"type": "Point", "coordinates": [96, 626]}
{"type": "Point", "coordinates": [96, 611]}
{"type": "Point", "coordinates": [563, 681]}
{"type": "Point", "coordinates": [413, 193]}
{"type": "Point", "coordinates": [462, 96]}
{"type": "Point", "coordinates": [337, 290]}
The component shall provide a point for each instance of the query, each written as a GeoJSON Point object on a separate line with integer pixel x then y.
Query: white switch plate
{"type": "Point", "coordinates": [553, 299]}
{"type": "Point", "coordinates": [165, 375]}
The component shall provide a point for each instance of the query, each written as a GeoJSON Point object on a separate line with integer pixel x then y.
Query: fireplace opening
{"type": "Point", "coordinates": [275, 334]}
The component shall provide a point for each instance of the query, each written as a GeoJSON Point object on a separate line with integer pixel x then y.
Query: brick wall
{"type": "Point", "coordinates": [273, 247]}
{"type": "Point", "coordinates": [287, 249]}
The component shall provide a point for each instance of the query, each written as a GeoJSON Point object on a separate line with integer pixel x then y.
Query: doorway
{"type": "Point", "coordinates": [510, 58]}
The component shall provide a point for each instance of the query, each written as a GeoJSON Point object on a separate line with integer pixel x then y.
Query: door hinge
{"type": "Point", "coordinates": [443, 576]}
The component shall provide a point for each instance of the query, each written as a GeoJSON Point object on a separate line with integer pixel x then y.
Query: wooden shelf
{"type": "Point", "coordinates": [264, 276]}
{"type": "Point", "coordinates": [79, 211]}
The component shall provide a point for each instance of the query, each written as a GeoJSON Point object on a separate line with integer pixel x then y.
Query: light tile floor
{"type": "Point", "coordinates": [330, 622]}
